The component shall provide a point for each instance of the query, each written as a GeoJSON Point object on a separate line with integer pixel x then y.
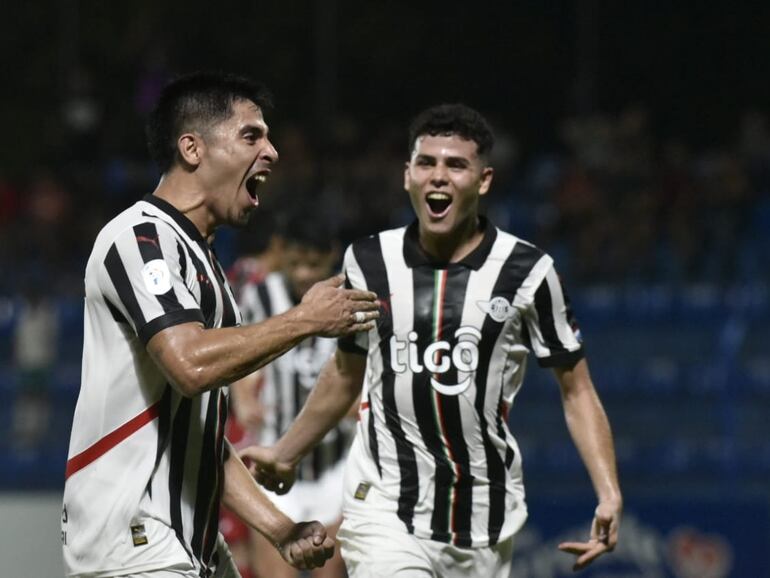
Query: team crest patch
{"type": "Point", "coordinates": [498, 309]}
{"type": "Point", "coordinates": [156, 276]}
{"type": "Point", "coordinates": [138, 535]}
{"type": "Point", "coordinates": [361, 491]}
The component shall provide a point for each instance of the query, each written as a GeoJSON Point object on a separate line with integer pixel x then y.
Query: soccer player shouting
{"type": "Point", "coordinates": [148, 461]}
{"type": "Point", "coordinates": [434, 480]}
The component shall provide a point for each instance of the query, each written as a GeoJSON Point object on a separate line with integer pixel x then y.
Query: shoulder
{"type": "Point", "coordinates": [520, 248]}
{"type": "Point", "coordinates": [376, 244]}
{"type": "Point", "coordinates": [523, 265]}
{"type": "Point", "coordinates": [123, 233]}
{"type": "Point", "coordinates": [519, 252]}
{"type": "Point", "coordinates": [132, 221]}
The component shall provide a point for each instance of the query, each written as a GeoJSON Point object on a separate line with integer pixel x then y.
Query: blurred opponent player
{"type": "Point", "coordinates": [434, 478]}
{"type": "Point", "coordinates": [266, 403]}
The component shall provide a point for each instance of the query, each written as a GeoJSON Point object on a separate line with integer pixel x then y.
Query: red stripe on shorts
{"type": "Point", "coordinates": [112, 439]}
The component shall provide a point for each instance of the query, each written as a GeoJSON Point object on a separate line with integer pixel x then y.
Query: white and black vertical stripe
{"type": "Point", "coordinates": [119, 277]}
{"type": "Point", "coordinates": [422, 398]}
{"type": "Point", "coordinates": [455, 449]}
{"type": "Point", "coordinates": [176, 477]}
{"type": "Point", "coordinates": [139, 251]}
{"type": "Point", "coordinates": [460, 494]}
{"type": "Point", "coordinates": [515, 270]}
{"type": "Point", "coordinates": [369, 255]}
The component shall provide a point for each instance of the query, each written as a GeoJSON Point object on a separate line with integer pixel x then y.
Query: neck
{"type": "Point", "coordinates": [455, 245]}
{"type": "Point", "coordinates": [185, 195]}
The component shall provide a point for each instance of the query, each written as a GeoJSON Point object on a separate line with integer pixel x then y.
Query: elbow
{"type": "Point", "coordinates": [191, 379]}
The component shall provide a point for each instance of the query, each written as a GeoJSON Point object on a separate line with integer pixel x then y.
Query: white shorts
{"type": "Point", "coordinates": [225, 569]}
{"type": "Point", "coordinates": [372, 549]}
{"type": "Point", "coordinates": [319, 500]}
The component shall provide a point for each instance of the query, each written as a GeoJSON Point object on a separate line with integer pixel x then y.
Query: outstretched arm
{"type": "Point", "coordinates": [590, 431]}
{"type": "Point", "coordinates": [304, 545]}
{"type": "Point", "coordinates": [338, 387]}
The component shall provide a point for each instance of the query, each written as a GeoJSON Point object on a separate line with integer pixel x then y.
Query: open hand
{"type": "Point", "coordinates": [339, 311]}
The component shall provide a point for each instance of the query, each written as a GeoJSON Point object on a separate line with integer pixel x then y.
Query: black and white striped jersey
{"type": "Point", "coordinates": [289, 379]}
{"type": "Point", "coordinates": [145, 468]}
{"type": "Point", "coordinates": [443, 368]}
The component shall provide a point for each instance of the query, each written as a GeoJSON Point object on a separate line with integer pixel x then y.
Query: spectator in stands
{"type": "Point", "coordinates": [35, 351]}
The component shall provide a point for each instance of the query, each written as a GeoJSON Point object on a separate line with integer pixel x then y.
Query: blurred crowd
{"type": "Point", "coordinates": [614, 203]}
{"type": "Point", "coordinates": [617, 204]}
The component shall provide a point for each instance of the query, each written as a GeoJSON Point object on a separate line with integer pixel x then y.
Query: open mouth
{"type": "Point", "coordinates": [438, 204]}
{"type": "Point", "coordinates": [253, 183]}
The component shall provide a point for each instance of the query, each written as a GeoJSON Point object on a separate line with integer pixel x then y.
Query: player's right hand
{"type": "Point", "coordinates": [339, 311]}
{"type": "Point", "coordinates": [307, 546]}
{"type": "Point", "coordinates": [267, 469]}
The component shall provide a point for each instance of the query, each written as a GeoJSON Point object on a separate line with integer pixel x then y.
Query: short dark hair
{"type": "Point", "coordinates": [449, 119]}
{"type": "Point", "coordinates": [196, 101]}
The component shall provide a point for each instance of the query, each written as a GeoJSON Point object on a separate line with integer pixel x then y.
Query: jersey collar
{"type": "Point", "coordinates": [415, 256]}
{"type": "Point", "coordinates": [185, 223]}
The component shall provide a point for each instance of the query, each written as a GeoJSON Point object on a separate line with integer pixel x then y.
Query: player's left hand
{"type": "Point", "coordinates": [306, 546]}
{"type": "Point", "coordinates": [604, 535]}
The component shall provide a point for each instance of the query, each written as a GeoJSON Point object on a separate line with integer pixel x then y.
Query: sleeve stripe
{"type": "Point", "coordinates": [182, 260]}
{"type": "Point", "coordinates": [563, 315]}
{"type": "Point", "coordinates": [563, 359]}
{"type": "Point", "coordinates": [544, 308]}
{"type": "Point", "coordinates": [117, 272]}
{"type": "Point", "coordinates": [146, 332]}
{"type": "Point", "coordinates": [148, 241]}
{"type": "Point", "coordinates": [563, 347]}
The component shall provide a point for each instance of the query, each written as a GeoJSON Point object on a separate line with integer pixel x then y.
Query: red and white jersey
{"type": "Point", "coordinates": [145, 466]}
{"type": "Point", "coordinates": [444, 364]}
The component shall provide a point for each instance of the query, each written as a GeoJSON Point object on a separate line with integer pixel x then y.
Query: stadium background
{"type": "Point", "coordinates": [633, 144]}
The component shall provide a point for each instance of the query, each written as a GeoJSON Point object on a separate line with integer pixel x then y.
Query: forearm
{"type": "Point", "coordinates": [197, 359]}
{"type": "Point", "coordinates": [590, 430]}
{"type": "Point", "coordinates": [338, 387]}
{"type": "Point", "coordinates": [243, 496]}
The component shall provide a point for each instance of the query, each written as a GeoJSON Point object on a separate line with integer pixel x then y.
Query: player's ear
{"type": "Point", "coordinates": [190, 147]}
{"type": "Point", "coordinates": [486, 179]}
{"type": "Point", "coordinates": [407, 179]}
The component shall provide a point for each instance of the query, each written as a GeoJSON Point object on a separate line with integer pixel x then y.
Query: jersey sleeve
{"type": "Point", "coordinates": [144, 277]}
{"type": "Point", "coordinates": [354, 279]}
{"type": "Point", "coordinates": [553, 332]}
